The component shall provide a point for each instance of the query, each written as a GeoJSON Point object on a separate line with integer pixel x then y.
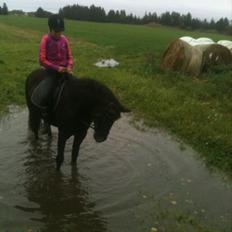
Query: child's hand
{"type": "Point", "coordinates": [62, 69]}
{"type": "Point", "coordinates": [69, 70]}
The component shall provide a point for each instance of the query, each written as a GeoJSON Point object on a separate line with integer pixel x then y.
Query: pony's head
{"type": "Point", "coordinates": [104, 118]}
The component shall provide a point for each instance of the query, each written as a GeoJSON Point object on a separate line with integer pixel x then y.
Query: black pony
{"type": "Point", "coordinates": [83, 102]}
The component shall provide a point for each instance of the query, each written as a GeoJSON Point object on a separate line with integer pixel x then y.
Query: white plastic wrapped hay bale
{"type": "Point", "coordinates": [216, 54]}
{"type": "Point", "coordinates": [196, 42]}
{"type": "Point", "coordinates": [195, 65]}
{"type": "Point", "coordinates": [181, 56]}
{"type": "Point", "coordinates": [188, 39]}
{"type": "Point", "coordinates": [203, 43]}
{"type": "Point", "coordinates": [204, 40]}
{"type": "Point", "coordinates": [202, 47]}
{"type": "Point", "coordinates": [226, 43]}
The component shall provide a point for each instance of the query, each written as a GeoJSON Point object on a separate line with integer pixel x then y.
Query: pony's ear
{"type": "Point", "coordinates": [124, 109]}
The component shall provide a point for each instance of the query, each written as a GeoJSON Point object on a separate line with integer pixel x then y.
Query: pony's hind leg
{"type": "Point", "coordinates": [34, 122]}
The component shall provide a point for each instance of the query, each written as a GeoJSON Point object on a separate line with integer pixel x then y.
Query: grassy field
{"type": "Point", "coordinates": [199, 111]}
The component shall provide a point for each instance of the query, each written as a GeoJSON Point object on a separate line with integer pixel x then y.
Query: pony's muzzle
{"type": "Point", "coordinates": [99, 138]}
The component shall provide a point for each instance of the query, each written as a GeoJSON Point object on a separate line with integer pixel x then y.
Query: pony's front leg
{"type": "Point", "coordinates": [62, 138]}
{"type": "Point", "coordinates": [76, 145]}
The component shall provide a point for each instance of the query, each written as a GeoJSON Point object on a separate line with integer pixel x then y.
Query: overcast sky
{"type": "Point", "coordinates": [198, 8]}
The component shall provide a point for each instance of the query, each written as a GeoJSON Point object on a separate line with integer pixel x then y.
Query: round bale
{"type": "Point", "coordinates": [216, 54]}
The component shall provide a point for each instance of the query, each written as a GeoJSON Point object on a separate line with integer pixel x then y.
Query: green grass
{"type": "Point", "coordinates": [199, 111]}
{"type": "Point", "coordinates": [177, 220]}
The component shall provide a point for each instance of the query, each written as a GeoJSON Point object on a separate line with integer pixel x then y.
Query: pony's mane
{"type": "Point", "coordinates": [97, 88]}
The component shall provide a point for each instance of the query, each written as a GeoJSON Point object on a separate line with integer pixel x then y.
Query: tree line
{"type": "Point", "coordinates": [175, 19]}
{"type": "Point", "coordinates": [98, 14]}
{"type": "Point", "coordinates": [4, 9]}
{"type": "Point", "coordinates": [188, 22]}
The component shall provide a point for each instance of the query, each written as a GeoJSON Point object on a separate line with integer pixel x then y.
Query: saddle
{"type": "Point", "coordinates": [46, 96]}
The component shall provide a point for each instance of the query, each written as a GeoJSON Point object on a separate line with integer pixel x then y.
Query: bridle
{"type": "Point", "coordinates": [91, 125]}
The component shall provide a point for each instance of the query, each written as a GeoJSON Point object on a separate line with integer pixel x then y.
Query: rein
{"type": "Point", "coordinates": [88, 125]}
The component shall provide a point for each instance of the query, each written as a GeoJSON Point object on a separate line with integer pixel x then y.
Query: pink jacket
{"type": "Point", "coordinates": [55, 52]}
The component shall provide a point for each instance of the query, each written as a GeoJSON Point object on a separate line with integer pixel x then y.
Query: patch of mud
{"type": "Point", "coordinates": [135, 181]}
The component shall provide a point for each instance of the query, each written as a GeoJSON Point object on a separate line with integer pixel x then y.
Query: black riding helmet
{"type": "Point", "coordinates": [56, 23]}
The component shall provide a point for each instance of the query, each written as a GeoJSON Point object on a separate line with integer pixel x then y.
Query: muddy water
{"type": "Point", "coordinates": [134, 182]}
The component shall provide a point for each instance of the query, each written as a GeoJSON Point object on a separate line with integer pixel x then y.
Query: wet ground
{"type": "Point", "coordinates": [136, 181]}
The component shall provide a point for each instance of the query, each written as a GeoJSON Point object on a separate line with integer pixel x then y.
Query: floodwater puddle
{"type": "Point", "coordinates": [136, 181]}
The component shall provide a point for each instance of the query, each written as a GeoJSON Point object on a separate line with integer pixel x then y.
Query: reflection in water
{"type": "Point", "coordinates": [132, 182]}
{"type": "Point", "coordinates": [62, 202]}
